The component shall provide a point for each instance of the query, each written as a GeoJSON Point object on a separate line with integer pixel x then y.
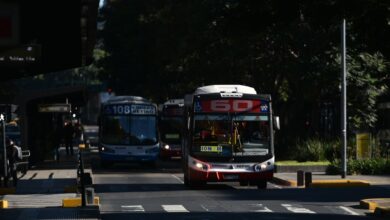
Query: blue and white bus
{"type": "Point", "coordinates": [128, 131]}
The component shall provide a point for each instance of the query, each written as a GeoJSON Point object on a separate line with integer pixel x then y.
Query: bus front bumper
{"type": "Point", "coordinates": [127, 158]}
{"type": "Point", "coordinates": [214, 176]}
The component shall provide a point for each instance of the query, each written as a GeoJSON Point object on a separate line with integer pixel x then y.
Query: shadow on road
{"type": "Point", "coordinates": [226, 216]}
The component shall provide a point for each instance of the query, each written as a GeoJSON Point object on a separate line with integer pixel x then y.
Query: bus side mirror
{"type": "Point", "coordinates": [276, 123]}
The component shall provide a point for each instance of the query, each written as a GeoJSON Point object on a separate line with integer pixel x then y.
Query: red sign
{"type": "Point", "coordinates": [229, 105]}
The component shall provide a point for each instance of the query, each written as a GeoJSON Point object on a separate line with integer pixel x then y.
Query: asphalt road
{"type": "Point", "coordinates": [135, 192]}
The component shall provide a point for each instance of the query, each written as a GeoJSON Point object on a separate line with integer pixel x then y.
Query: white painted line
{"type": "Point", "coordinates": [174, 208]}
{"type": "Point", "coordinates": [297, 209]}
{"type": "Point", "coordinates": [204, 207]}
{"type": "Point", "coordinates": [348, 210]}
{"type": "Point", "coordinates": [133, 208]}
{"type": "Point", "coordinates": [261, 208]}
{"type": "Point", "coordinates": [276, 186]}
{"type": "Point", "coordinates": [181, 181]}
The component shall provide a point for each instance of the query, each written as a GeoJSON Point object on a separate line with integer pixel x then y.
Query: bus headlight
{"type": "Point", "coordinates": [166, 147]}
{"type": "Point", "coordinates": [108, 150]}
{"type": "Point", "coordinates": [200, 165]}
{"type": "Point", "coordinates": [260, 167]}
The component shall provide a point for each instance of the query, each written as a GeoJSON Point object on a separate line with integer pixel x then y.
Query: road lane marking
{"type": "Point", "coordinates": [348, 210]}
{"type": "Point", "coordinates": [276, 186]}
{"type": "Point", "coordinates": [181, 181]}
{"type": "Point", "coordinates": [260, 208]}
{"type": "Point", "coordinates": [297, 209]}
{"type": "Point", "coordinates": [204, 207]}
{"type": "Point", "coordinates": [133, 208]}
{"type": "Point", "coordinates": [174, 208]}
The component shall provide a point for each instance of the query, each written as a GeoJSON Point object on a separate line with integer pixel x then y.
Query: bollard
{"type": "Point", "coordinates": [90, 195]}
{"type": "Point", "coordinates": [308, 179]}
{"type": "Point", "coordinates": [300, 178]}
{"type": "Point", "coordinates": [83, 199]}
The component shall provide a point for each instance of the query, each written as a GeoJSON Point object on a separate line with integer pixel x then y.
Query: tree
{"type": "Point", "coordinates": [166, 48]}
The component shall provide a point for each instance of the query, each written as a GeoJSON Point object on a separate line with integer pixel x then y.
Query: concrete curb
{"type": "Point", "coordinates": [380, 206]}
{"type": "Point", "coordinates": [284, 182]}
{"type": "Point", "coordinates": [3, 204]}
{"type": "Point", "coordinates": [338, 183]}
{"type": "Point", "coordinates": [382, 211]}
{"type": "Point", "coordinates": [76, 202]}
{"type": "Point", "coordinates": [323, 183]}
{"type": "Point", "coordinates": [373, 203]}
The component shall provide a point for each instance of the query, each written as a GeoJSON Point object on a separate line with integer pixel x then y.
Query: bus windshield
{"type": "Point", "coordinates": [129, 130]}
{"type": "Point", "coordinates": [231, 135]}
{"type": "Point", "coordinates": [170, 129]}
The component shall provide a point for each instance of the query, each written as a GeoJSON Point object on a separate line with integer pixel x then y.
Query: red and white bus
{"type": "Point", "coordinates": [229, 136]}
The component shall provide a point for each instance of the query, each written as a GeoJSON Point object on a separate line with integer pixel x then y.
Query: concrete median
{"type": "Point", "coordinates": [380, 206]}
{"type": "Point", "coordinates": [76, 202]}
{"type": "Point", "coordinates": [338, 183]}
{"type": "Point", "coordinates": [3, 204]}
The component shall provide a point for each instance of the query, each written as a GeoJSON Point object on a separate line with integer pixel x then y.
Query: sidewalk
{"type": "Point", "coordinates": [380, 206]}
{"type": "Point", "coordinates": [40, 191]}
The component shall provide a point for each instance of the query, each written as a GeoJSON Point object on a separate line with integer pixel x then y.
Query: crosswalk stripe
{"type": "Point", "coordinates": [174, 208]}
{"type": "Point", "coordinates": [133, 208]}
{"type": "Point", "coordinates": [348, 210]}
{"type": "Point", "coordinates": [253, 208]}
{"type": "Point", "coordinates": [297, 209]}
{"type": "Point", "coordinates": [260, 208]}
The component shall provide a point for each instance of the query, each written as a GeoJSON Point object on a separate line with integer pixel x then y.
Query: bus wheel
{"type": "Point", "coordinates": [262, 184]}
{"type": "Point", "coordinates": [244, 183]}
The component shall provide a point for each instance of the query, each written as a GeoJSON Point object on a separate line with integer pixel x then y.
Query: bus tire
{"type": "Point", "coordinates": [262, 184]}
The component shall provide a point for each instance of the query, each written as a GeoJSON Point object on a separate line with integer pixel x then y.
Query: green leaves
{"type": "Point", "coordinates": [166, 48]}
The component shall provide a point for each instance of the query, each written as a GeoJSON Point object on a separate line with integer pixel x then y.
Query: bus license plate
{"type": "Point", "coordinates": [230, 177]}
{"type": "Point", "coordinates": [129, 158]}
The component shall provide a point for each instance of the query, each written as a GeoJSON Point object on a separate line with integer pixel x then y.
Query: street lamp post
{"type": "Point", "coordinates": [343, 101]}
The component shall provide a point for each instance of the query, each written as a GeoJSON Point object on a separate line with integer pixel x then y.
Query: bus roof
{"type": "Point", "coordinates": [225, 89]}
{"type": "Point", "coordinates": [179, 102]}
{"type": "Point", "coordinates": [127, 99]}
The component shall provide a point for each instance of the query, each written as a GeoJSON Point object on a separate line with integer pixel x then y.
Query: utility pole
{"type": "Point", "coordinates": [343, 101]}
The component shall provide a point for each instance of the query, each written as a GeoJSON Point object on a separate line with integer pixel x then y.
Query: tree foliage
{"type": "Point", "coordinates": [290, 49]}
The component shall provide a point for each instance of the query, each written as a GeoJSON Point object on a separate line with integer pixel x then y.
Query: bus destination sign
{"type": "Point", "coordinates": [231, 105]}
{"type": "Point", "coordinates": [127, 109]}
